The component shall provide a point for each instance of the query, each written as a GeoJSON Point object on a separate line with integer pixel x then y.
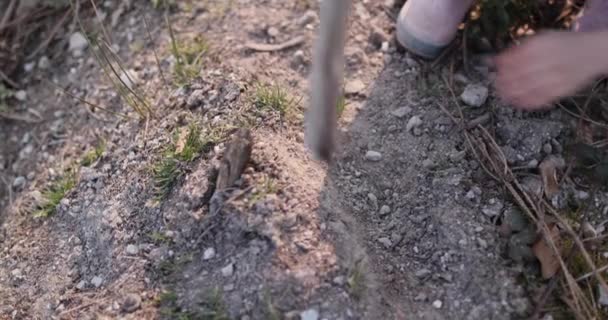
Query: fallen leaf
{"type": "Point", "coordinates": [181, 140]}
{"type": "Point", "coordinates": [549, 262]}
{"type": "Point", "coordinates": [548, 172]}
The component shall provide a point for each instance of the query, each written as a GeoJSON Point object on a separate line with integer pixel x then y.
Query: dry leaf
{"type": "Point", "coordinates": [548, 260]}
{"type": "Point", "coordinates": [181, 140]}
{"type": "Point", "coordinates": [548, 172]}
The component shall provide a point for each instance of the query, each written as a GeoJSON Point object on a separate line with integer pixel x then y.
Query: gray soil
{"type": "Point", "coordinates": [402, 225]}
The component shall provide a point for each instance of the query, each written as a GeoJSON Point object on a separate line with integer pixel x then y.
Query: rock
{"type": "Point", "coordinates": [273, 32]}
{"type": "Point", "coordinates": [81, 285]}
{"type": "Point", "coordinates": [196, 98]}
{"type": "Point", "coordinates": [414, 122]}
{"type": "Point", "coordinates": [428, 164]}
{"type": "Point", "coordinates": [21, 95]}
{"type": "Point", "coordinates": [547, 148]}
{"type": "Point", "coordinates": [603, 296]}
{"type": "Point", "coordinates": [78, 43]}
{"type": "Point", "coordinates": [401, 112]}
{"type": "Point", "coordinates": [420, 297]}
{"type": "Point", "coordinates": [474, 95]}
{"type": "Point", "coordinates": [493, 209]}
{"type": "Point", "coordinates": [377, 37]}
{"type": "Point", "coordinates": [374, 156]}
{"type": "Point", "coordinates": [354, 87]}
{"type": "Point", "coordinates": [29, 67]}
{"type": "Point", "coordinates": [339, 280]}
{"type": "Point", "coordinates": [385, 210]}
{"type": "Point", "coordinates": [17, 273]}
{"type": "Point", "coordinates": [482, 243]}
{"type": "Point", "coordinates": [422, 273]}
{"type": "Point", "coordinates": [44, 63]}
{"type": "Point", "coordinates": [97, 281]}
{"type": "Point", "coordinates": [130, 303]}
{"type": "Point", "coordinates": [208, 254]}
{"type": "Point", "coordinates": [228, 270]}
{"type": "Point", "coordinates": [308, 18]}
{"type": "Point", "coordinates": [18, 183]}
{"type": "Point", "coordinates": [310, 314]}
{"type": "Point", "coordinates": [437, 304]}
{"type": "Point", "coordinates": [386, 242]}
{"type": "Point", "coordinates": [132, 250]}
{"type": "Point", "coordinates": [299, 58]}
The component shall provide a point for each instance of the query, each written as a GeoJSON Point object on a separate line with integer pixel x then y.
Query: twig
{"type": "Point", "coordinates": [8, 14]}
{"type": "Point", "coordinates": [160, 69]}
{"type": "Point", "coordinates": [51, 35]}
{"type": "Point", "coordinates": [589, 274]}
{"type": "Point", "coordinates": [275, 47]}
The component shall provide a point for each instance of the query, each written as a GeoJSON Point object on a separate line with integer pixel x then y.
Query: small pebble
{"type": "Point", "coordinates": [437, 304]}
{"type": "Point", "coordinates": [474, 95]}
{"type": "Point", "coordinates": [374, 156]}
{"type": "Point", "coordinates": [401, 112]}
{"type": "Point", "coordinates": [310, 314]}
{"type": "Point", "coordinates": [18, 183]}
{"type": "Point", "coordinates": [97, 281]}
{"type": "Point", "coordinates": [132, 249]}
{"type": "Point", "coordinates": [228, 270]}
{"type": "Point", "coordinates": [385, 210]}
{"type": "Point", "coordinates": [209, 254]}
{"type": "Point", "coordinates": [414, 122]}
{"type": "Point", "coordinates": [21, 95]}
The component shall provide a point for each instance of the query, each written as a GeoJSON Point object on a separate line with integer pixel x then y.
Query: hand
{"type": "Point", "coordinates": [549, 66]}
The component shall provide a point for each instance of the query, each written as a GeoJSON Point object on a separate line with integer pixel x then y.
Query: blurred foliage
{"type": "Point", "coordinates": [494, 23]}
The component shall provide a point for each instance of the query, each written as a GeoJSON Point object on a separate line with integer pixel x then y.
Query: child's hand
{"type": "Point", "coordinates": [549, 66]}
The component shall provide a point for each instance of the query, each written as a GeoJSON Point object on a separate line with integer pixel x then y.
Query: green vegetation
{"type": "Point", "coordinates": [274, 98]}
{"type": "Point", "coordinates": [212, 307]}
{"type": "Point", "coordinates": [93, 155]}
{"type": "Point", "coordinates": [188, 56]}
{"type": "Point", "coordinates": [186, 147]}
{"type": "Point", "coordinates": [52, 196]}
{"type": "Point", "coordinates": [341, 105]}
{"type": "Point", "coordinates": [356, 280]}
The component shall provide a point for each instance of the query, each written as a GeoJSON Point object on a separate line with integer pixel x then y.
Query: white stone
{"type": "Point", "coordinates": [474, 95]}
{"type": "Point", "coordinates": [132, 250]}
{"type": "Point", "coordinates": [228, 270]}
{"type": "Point", "coordinates": [310, 314]}
{"type": "Point", "coordinates": [21, 95]}
{"type": "Point", "coordinates": [414, 122]}
{"type": "Point", "coordinates": [373, 156]}
{"type": "Point", "coordinates": [209, 254]}
{"type": "Point", "coordinates": [78, 42]}
{"type": "Point", "coordinates": [97, 281]}
{"type": "Point", "coordinates": [437, 304]}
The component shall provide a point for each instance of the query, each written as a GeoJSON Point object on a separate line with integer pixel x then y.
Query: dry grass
{"type": "Point", "coordinates": [576, 290]}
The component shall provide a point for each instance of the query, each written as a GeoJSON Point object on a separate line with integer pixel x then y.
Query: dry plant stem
{"type": "Point", "coordinates": [578, 116]}
{"type": "Point", "coordinates": [92, 105]}
{"type": "Point", "coordinates": [103, 29]}
{"type": "Point", "coordinates": [492, 153]}
{"type": "Point", "coordinates": [579, 243]}
{"type": "Point", "coordinates": [7, 14]}
{"type": "Point", "coordinates": [587, 275]}
{"type": "Point", "coordinates": [132, 91]}
{"type": "Point", "coordinates": [51, 35]}
{"type": "Point", "coordinates": [160, 69]}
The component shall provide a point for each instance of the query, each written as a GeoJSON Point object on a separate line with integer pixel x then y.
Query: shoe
{"type": "Point", "coordinates": [426, 27]}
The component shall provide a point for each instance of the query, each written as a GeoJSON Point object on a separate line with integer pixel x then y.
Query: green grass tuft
{"type": "Point", "coordinates": [212, 307]}
{"type": "Point", "coordinates": [274, 98]}
{"type": "Point", "coordinates": [166, 173]}
{"type": "Point", "coordinates": [356, 280]}
{"type": "Point", "coordinates": [341, 105]}
{"type": "Point", "coordinates": [93, 155]}
{"type": "Point", "coordinates": [188, 56]}
{"type": "Point", "coordinates": [52, 196]}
